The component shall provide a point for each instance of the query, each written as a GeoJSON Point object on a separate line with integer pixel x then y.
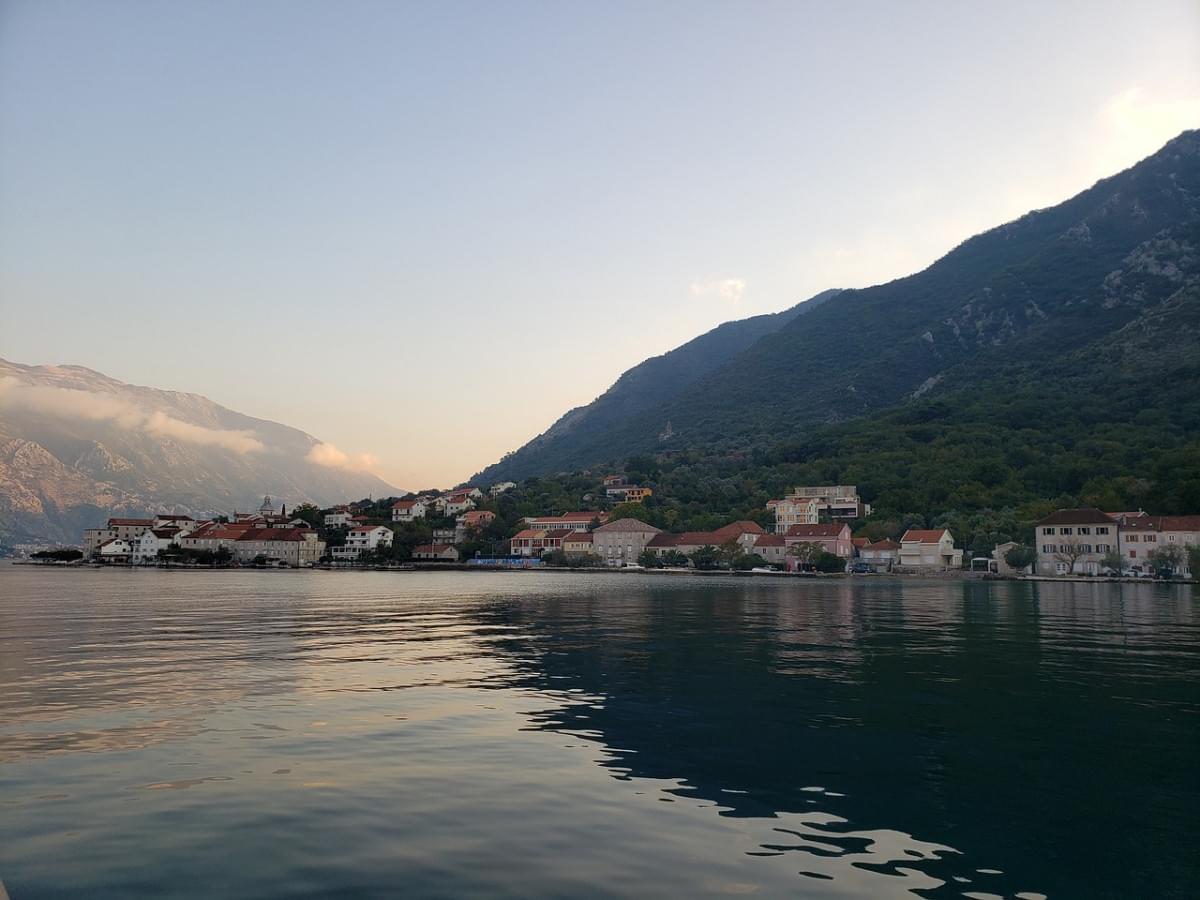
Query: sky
{"type": "Point", "coordinates": [422, 232]}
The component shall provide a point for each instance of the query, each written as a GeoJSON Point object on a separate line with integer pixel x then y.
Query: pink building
{"type": "Point", "coordinates": [832, 537]}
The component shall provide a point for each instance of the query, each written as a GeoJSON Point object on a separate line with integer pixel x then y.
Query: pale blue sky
{"type": "Point", "coordinates": [439, 226]}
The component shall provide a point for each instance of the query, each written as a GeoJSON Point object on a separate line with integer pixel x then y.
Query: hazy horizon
{"type": "Point", "coordinates": [448, 226]}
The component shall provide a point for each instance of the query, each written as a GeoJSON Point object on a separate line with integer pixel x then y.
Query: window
{"type": "Point", "coordinates": [1102, 530]}
{"type": "Point", "coordinates": [1065, 531]}
{"type": "Point", "coordinates": [1171, 538]}
{"type": "Point", "coordinates": [1133, 554]}
{"type": "Point", "coordinates": [1047, 548]}
{"type": "Point", "coordinates": [1047, 531]}
{"type": "Point", "coordinates": [1131, 538]}
{"type": "Point", "coordinates": [1085, 530]}
{"type": "Point", "coordinates": [1151, 538]}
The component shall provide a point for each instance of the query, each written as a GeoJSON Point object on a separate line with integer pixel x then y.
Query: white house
{"type": "Point", "coordinates": [153, 540]}
{"type": "Point", "coordinates": [339, 518]}
{"type": "Point", "coordinates": [115, 550]}
{"type": "Point", "coordinates": [930, 549]}
{"type": "Point", "coordinates": [458, 504]}
{"type": "Point", "coordinates": [362, 538]}
{"type": "Point", "coordinates": [1075, 541]}
{"type": "Point", "coordinates": [409, 510]}
{"type": "Point", "coordinates": [501, 487]}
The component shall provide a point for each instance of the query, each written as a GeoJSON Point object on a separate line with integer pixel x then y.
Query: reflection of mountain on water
{"type": "Point", "coordinates": [977, 716]}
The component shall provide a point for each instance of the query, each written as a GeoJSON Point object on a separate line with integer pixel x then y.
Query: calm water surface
{"type": "Point", "coordinates": [287, 734]}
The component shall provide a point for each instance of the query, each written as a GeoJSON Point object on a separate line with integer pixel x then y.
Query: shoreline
{"type": "Point", "coordinates": [463, 567]}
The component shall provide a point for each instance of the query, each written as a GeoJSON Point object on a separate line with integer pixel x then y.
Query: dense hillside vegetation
{"type": "Point", "coordinates": [1051, 361]}
{"type": "Point", "coordinates": [1004, 308]}
{"type": "Point", "coordinates": [570, 440]}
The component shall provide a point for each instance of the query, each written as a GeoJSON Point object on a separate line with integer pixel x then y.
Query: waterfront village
{"type": "Point", "coordinates": [810, 530]}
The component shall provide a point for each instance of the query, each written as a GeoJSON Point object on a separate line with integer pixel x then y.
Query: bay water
{"type": "Point", "coordinates": [319, 734]}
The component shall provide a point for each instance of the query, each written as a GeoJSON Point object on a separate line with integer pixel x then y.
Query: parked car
{"type": "Point", "coordinates": [860, 568]}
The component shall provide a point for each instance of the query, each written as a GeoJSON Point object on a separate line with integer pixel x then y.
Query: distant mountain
{"type": "Point", "coordinates": [646, 386]}
{"type": "Point", "coordinates": [1083, 281]}
{"type": "Point", "coordinates": [77, 446]}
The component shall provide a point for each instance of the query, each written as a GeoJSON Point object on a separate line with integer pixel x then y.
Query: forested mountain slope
{"type": "Point", "coordinates": [571, 439]}
{"type": "Point", "coordinates": [1033, 306]}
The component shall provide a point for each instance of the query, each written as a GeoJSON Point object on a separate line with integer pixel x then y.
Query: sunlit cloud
{"type": "Point", "coordinates": [97, 406]}
{"type": "Point", "coordinates": [729, 289]}
{"type": "Point", "coordinates": [335, 458]}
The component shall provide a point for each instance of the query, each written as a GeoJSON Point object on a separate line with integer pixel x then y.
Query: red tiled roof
{"type": "Point", "coordinates": [824, 529]}
{"type": "Point", "coordinates": [1180, 523]}
{"type": "Point", "coordinates": [528, 534]}
{"type": "Point", "coordinates": [578, 537]}
{"type": "Point", "coordinates": [860, 542]}
{"type": "Point", "coordinates": [176, 517]}
{"type": "Point", "coordinates": [622, 526]}
{"type": "Point", "coordinates": [1088, 515]}
{"type": "Point", "coordinates": [883, 545]}
{"type": "Point", "coordinates": [1141, 523]}
{"type": "Point", "coordinates": [360, 529]}
{"type": "Point", "coordinates": [733, 529]}
{"type": "Point", "coordinates": [770, 540]}
{"type": "Point", "coordinates": [404, 504]}
{"type": "Point", "coordinates": [146, 522]}
{"type": "Point", "coordinates": [922, 535]}
{"type": "Point", "coordinates": [275, 534]}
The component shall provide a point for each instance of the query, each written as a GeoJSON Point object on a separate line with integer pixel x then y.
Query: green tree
{"type": "Point", "coordinates": [746, 561]}
{"type": "Point", "coordinates": [649, 559]}
{"type": "Point", "coordinates": [310, 514]}
{"type": "Point", "coordinates": [674, 558]}
{"type": "Point", "coordinates": [1169, 557]}
{"type": "Point", "coordinates": [706, 558]}
{"type": "Point", "coordinates": [805, 554]}
{"type": "Point", "coordinates": [829, 562]}
{"type": "Point", "coordinates": [1021, 556]}
{"type": "Point", "coordinates": [1112, 560]}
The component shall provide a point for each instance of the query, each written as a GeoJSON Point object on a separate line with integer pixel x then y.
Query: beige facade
{"type": "Point", "coordinates": [1075, 541]}
{"type": "Point", "coordinates": [620, 543]}
{"type": "Point", "coordinates": [929, 549]}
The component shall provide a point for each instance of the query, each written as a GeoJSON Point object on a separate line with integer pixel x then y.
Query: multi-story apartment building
{"type": "Point", "coordinates": [362, 538]}
{"type": "Point", "coordinates": [794, 509]}
{"type": "Point", "coordinates": [1075, 541]}
{"type": "Point", "coordinates": [620, 543]}
{"type": "Point", "coordinates": [808, 504]}
{"type": "Point", "coordinates": [121, 529]}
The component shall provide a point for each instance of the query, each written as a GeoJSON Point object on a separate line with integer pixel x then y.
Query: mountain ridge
{"type": "Point", "coordinates": [77, 445]}
{"type": "Point", "coordinates": [1052, 281]}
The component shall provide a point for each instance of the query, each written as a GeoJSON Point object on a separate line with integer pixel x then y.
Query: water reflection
{"type": "Point", "coordinates": [1011, 722]}
{"type": "Point", "coordinates": [595, 735]}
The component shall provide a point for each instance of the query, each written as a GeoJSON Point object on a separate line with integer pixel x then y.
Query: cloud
{"type": "Point", "coordinates": [730, 289]}
{"type": "Point", "coordinates": [96, 406]}
{"type": "Point", "coordinates": [336, 458]}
